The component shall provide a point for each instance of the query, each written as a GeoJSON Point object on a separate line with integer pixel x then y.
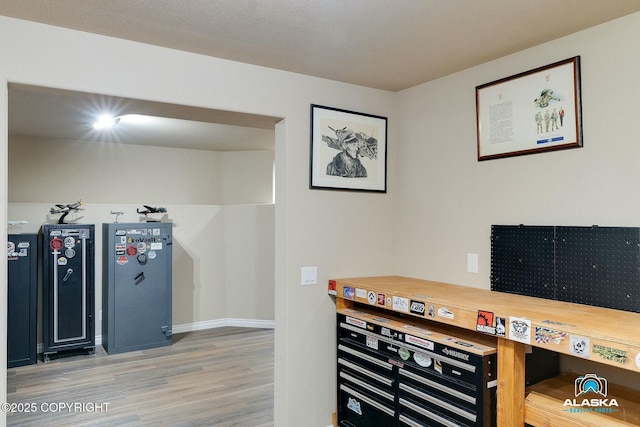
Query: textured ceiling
{"type": "Point", "coordinates": [385, 44]}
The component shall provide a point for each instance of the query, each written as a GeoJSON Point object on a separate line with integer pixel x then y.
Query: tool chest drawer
{"type": "Point", "coordinates": [396, 372]}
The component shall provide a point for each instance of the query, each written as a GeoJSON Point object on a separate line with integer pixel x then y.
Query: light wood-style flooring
{"type": "Point", "coordinates": [219, 377]}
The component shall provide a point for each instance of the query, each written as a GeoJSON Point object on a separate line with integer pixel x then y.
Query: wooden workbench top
{"type": "Point", "coordinates": [603, 335]}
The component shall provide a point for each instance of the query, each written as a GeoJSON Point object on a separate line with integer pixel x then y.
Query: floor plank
{"type": "Point", "coordinates": [219, 377]}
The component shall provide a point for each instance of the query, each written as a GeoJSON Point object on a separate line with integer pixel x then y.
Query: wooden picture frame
{"type": "Point", "coordinates": [530, 112]}
{"type": "Point", "coordinates": [348, 150]}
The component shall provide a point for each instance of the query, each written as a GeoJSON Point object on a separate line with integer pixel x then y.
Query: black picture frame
{"type": "Point", "coordinates": [348, 150]}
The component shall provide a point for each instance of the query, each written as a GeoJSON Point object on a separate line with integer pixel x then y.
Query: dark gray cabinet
{"type": "Point", "coordinates": [22, 299]}
{"type": "Point", "coordinates": [136, 286]}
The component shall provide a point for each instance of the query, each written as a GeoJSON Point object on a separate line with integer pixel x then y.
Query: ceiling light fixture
{"type": "Point", "coordinates": [106, 121]}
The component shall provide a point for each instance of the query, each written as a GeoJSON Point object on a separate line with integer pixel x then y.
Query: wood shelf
{"type": "Point", "coordinates": [598, 334]}
{"type": "Point", "coordinates": [545, 405]}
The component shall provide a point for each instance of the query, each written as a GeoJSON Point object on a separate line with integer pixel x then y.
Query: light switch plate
{"type": "Point", "coordinates": [309, 276]}
{"type": "Point", "coordinates": [472, 263]}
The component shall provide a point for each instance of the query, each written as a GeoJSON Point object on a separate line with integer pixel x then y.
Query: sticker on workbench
{"type": "Point", "coordinates": [638, 360]}
{"type": "Point", "coordinates": [417, 307]}
{"type": "Point", "coordinates": [356, 322]}
{"type": "Point", "coordinates": [372, 298]}
{"type": "Point", "coordinates": [422, 359]}
{"type": "Point", "coordinates": [432, 311]}
{"type": "Point", "coordinates": [381, 319]}
{"type": "Point", "coordinates": [372, 342]}
{"type": "Point", "coordinates": [348, 292]}
{"type": "Point", "coordinates": [401, 304]}
{"type": "Point", "coordinates": [446, 313]}
{"type": "Point", "coordinates": [501, 327]}
{"type": "Point", "coordinates": [485, 322]}
{"type": "Point", "coordinates": [331, 288]}
{"type": "Point", "coordinates": [553, 322]}
{"type": "Point", "coordinates": [546, 335]}
{"type": "Point", "coordinates": [361, 293]}
{"type": "Point", "coordinates": [520, 329]}
{"type": "Point", "coordinates": [420, 342]}
{"type": "Point", "coordinates": [381, 299]}
{"type": "Point", "coordinates": [610, 353]}
{"type": "Point", "coordinates": [579, 346]}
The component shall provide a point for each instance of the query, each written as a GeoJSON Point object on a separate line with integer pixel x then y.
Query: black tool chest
{"type": "Point", "coordinates": [392, 372]}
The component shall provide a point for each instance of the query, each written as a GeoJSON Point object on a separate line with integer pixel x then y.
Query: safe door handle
{"type": "Point", "coordinates": [139, 278]}
{"type": "Point", "coordinates": [66, 276]}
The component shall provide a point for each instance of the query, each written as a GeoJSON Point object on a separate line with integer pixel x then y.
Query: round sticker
{"type": "Point", "coordinates": [62, 261]}
{"type": "Point", "coordinates": [404, 353]}
{"type": "Point", "coordinates": [69, 242]}
{"type": "Point", "coordinates": [152, 254]}
{"type": "Point", "coordinates": [69, 253]}
{"type": "Point", "coordinates": [131, 250]}
{"type": "Point", "coordinates": [422, 359]}
{"type": "Point", "coordinates": [56, 244]}
{"type": "Point", "coordinates": [142, 247]}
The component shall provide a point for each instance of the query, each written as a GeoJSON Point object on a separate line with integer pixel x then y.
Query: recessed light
{"type": "Point", "coordinates": [106, 121]}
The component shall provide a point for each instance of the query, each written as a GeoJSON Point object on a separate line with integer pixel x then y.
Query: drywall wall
{"type": "Point", "coordinates": [449, 200]}
{"type": "Point", "coordinates": [339, 232]}
{"type": "Point", "coordinates": [109, 178]}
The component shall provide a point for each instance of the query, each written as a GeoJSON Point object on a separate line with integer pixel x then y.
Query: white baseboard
{"type": "Point", "coordinates": [220, 323]}
{"type": "Point", "coordinates": [207, 324]}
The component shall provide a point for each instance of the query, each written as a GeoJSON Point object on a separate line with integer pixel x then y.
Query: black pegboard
{"type": "Point", "coordinates": [586, 265]}
{"type": "Point", "coordinates": [522, 260]}
{"type": "Point", "coordinates": [599, 266]}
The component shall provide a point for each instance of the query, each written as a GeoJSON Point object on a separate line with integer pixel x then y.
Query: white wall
{"type": "Point", "coordinates": [440, 202]}
{"type": "Point", "coordinates": [339, 232]}
{"type": "Point", "coordinates": [448, 200]}
{"type": "Point", "coordinates": [191, 185]}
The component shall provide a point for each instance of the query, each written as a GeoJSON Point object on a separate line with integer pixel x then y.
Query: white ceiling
{"type": "Point", "coordinates": [54, 114]}
{"type": "Point", "coordinates": [385, 44]}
